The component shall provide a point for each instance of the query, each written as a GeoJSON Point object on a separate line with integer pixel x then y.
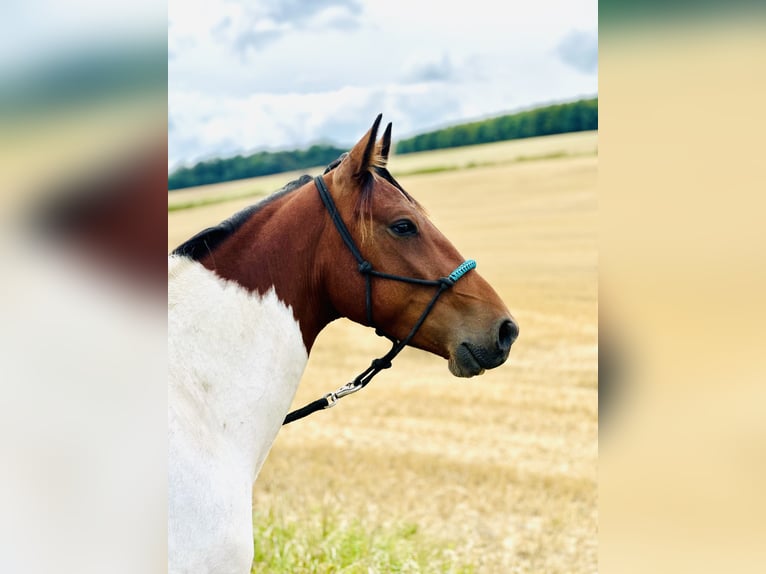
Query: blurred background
{"type": "Point", "coordinates": [680, 287]}
{"type": "Point", "coordinates": [83, 118]}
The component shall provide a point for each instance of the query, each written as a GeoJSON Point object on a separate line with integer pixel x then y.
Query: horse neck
{"type": "Point", "coordinates": [276, 249]}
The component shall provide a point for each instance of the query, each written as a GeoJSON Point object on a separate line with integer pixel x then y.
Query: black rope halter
{"type": "Point", "coordinates": [365, 268]}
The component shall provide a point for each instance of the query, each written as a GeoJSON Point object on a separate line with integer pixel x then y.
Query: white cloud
{"type": "Point", "coordinates": [579, 49]}
{"type": "Point", "coordinates": [205, 125]}
{"type": "Point", "coordinates": [251, 26]}
{"type": "Point", "coordinates": [429, 69]}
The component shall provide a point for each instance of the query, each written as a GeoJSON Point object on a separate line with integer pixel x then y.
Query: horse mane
{"type": "Point", "coordinates": [204, 242]}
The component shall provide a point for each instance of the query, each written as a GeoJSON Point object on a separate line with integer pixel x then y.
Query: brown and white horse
{"type": "Point", "coordinates": [247, 299]}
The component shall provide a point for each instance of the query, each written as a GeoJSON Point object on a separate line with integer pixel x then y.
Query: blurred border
{"type": "Point", "coordinates": [83, 208]}
{"type": "Point", "coordinates": [682, 431]}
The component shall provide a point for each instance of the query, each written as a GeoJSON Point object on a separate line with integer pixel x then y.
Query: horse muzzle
{"type": "Point", "coordinates": [473, 356]}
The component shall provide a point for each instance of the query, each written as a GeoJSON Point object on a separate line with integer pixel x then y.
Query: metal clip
{"type": "Point", "coordinates": [347, 389]}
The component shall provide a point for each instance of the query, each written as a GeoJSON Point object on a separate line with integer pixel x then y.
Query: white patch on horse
{"type": "Point", "coordinates": [235, 361]}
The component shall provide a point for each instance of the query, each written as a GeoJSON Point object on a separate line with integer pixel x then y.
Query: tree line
{"type": "Point", "coordinates": [575, 116]}
{"type": "Point", "coordinates": [257, 164]}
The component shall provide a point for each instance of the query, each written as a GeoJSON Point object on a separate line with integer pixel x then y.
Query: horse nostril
{"type": "Point", "coordinates": [507, 334]}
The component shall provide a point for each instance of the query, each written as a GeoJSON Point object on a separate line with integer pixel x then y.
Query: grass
{"type": "Point", "coordinates": [203, 201]}
{"type": "Point", "coordinates": [476, 164]}
{"type": "Point", "coordinates": [329, 544]}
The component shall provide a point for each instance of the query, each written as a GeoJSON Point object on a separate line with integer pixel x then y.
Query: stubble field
{"type": "Point", "coordinates": [491, 474]}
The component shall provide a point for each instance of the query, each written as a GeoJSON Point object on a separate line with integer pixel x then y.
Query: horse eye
{"type": "Point", "coordinates": [404, 228]}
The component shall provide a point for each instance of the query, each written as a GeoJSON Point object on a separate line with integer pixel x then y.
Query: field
{"type": "Point", "coordinates": [425, 472]}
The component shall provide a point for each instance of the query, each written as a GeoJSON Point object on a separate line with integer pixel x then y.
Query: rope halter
{"type": "Point", "coordinates": [365, 268]}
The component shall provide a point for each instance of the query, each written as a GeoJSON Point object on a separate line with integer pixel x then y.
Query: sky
{"type": "Point", "coordinates": [285, 74]}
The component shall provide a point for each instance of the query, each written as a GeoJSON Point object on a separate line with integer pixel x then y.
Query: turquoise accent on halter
{"type": "Point", "coordinates": [462, 269]}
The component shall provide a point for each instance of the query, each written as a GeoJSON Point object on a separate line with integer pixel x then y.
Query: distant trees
{"type": "Point", "coordinates": [261, 163]}
{"type": "Point", "coordinates": [555, 119]}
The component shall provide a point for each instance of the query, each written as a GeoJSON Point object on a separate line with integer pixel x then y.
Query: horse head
{"type": "Point", "coordinates": [389, 283]}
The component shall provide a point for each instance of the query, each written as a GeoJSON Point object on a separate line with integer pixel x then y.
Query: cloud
{"type": "Point", "coordinates": [253, 26]}
{"type": "Point", "coordinates": [430, 70]}
{"type": "Point", "coordinates": [579, 50]}
{"type": "Point", "coordinates": [304, 10]}
{"type": "Point", "coordinates": [206, 126]}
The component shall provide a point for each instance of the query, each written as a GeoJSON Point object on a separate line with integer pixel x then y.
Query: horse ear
{"type": "Point", "coordinates": [357, 164]}
{"type": "Point", "coordinates": [385, 145]}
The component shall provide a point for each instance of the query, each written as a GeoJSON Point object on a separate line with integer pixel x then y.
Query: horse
{"type": "Point", "coordinates": [246, 301]}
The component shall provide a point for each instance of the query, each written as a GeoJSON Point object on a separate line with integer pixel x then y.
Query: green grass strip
{"type": "Point", "coordinates": [329, 545]}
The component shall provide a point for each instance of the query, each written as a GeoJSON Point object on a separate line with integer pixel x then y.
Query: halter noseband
{"type": "Point", "coordinates": [365, 268]}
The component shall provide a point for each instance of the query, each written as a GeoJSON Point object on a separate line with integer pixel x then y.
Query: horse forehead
{"type": "Point", "coordinates": [387, 195]}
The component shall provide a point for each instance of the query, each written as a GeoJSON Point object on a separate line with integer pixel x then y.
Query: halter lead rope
{"type": "Point", "coordinates": [365, 268]}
